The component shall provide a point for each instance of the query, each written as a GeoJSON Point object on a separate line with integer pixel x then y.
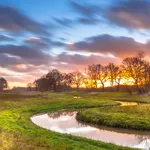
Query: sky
{"type": "Point", "coordinates": [37, 36]}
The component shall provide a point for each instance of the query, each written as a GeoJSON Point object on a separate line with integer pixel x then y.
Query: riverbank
{"type": "Point", "coordinates": [18, 132]}
{"type": "Point", "coordinates": [129, 117]}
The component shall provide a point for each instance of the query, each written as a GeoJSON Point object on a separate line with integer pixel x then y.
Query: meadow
{"type": "Point", "coordinates": [17, 132]}
{"type": "Point", "coordinates": [130, 117]}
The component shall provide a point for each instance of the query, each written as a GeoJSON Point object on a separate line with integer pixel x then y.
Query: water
{"type": "Point", "coordinates": [122, 103]}
{"type": "Point", "coordinates": [65, 122]}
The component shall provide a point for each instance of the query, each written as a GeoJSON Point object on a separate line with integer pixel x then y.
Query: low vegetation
{"type": "Point", "coordinates": [130, 117]}
{"type": "Point", "coordinates": [18, 132]}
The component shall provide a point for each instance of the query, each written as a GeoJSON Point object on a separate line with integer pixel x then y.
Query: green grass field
{"type": "Point", "coordinates": [130, 117]}
{"type": "Point", "coordinates": [17, 132]}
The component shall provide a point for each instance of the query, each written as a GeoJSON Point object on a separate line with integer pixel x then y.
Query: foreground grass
{"type": "Point", "coordinates": [17, 132]}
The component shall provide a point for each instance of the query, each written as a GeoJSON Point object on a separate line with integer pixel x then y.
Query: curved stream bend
{"type": "Point", "coordinates": [65, 122]}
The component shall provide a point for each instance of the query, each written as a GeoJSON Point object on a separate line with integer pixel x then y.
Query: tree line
{"type": "Point", "coordinates": [133, 71]}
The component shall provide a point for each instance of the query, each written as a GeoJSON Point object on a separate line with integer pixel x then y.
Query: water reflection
{"type": "Point", "coordinates": [65, 122]}
{"type": "Point", "coordinates": [122, 103]}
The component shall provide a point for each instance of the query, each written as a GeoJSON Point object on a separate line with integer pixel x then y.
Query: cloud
{"type": "Point", "coordinates": [88, 21]}
{"type": "Point", "coordinates": [105, 44]}
{"type": "Point", "coordinates": [43, 43]}
{"type": "Point", "coordinates": [25, 53]}
{"type": "Point", "coordinates": [6, 60]}
{"type": "Point", "coordinates": [67, 62]}
{"type": "Point", "coordinates": [37, 43]}
{"type": "Point", "coordinates": [6, 38]}
{"type": "Point", "coordinates": [85, 9]}
{"type": "Point", "coordinates": [65, 22]}
{"type": "Point", "coordinates": [88, 14]}
{"type": "Point", "coordinates": [28, 68]}
{"type": "Point", "coordinates": [13, 20]}
{"type": "Point", "coordinates": [133, 14]}
{"type": "Point", "coordinates": [83, 60]}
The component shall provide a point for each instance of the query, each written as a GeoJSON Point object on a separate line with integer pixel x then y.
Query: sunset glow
{"type": "Point", "coordinates": [82, 64]}
{"type": "Point", "coordinates": [38, 41]}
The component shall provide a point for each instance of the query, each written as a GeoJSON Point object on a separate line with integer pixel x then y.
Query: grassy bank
{"type": "Point", "coordinates": [130, 117]}
{"type": "Point", "coordinates": [17, 132]}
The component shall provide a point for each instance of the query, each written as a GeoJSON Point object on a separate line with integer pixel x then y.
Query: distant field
{"type": "Point", "coordinates": [17, 132]}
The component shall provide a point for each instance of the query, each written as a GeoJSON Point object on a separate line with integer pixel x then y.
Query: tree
{"type": "Point", "coordinates": [93, 74]}
{"type": "Point", "coordinates": [118, 78]}
{"type": "Point", "coordinates": [102, 72]}
{"type": "Point", "coordinates": [97, 72]}
{"type": "Point", "coordinates": [134, 69]}
{"type": "Point", "coordinates": [54, 78]}
{"type": "Point", "coordinates": [41, 84]}
{"type": "Point", "coordinates": [67, 80]}
{"type": "Point", "coordinates": [112, 73]}
{"type": "Point", "coordinates": [77, 79]}
{"type": "Point", "coordinates": [29, 86]}
{"type": "Point", "coordinates": [145, 81]}
{"type": "Point", "coordinates": [87, 82]}
{"type": "Point", "coordinates": [3, 84]}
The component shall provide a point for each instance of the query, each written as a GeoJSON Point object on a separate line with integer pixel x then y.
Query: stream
{"type": "Point", "coordinates": [65, 122]}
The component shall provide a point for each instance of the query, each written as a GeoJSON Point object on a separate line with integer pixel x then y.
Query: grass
{"type": "Point", "coordinates": [17, 132]}
{"type": "Point", "coordinates": [130, 117]}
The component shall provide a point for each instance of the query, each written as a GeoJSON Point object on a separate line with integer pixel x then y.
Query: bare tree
{"type": "Point", "coordinates": [102, 75]}
{"type": "Point", "coordinates": [118, 78]}
{"type": "Point", "coordinates": [87, 82]}
{"type": "Point", "coordinates": [134, 69]}
{"type": "Point", "coordinates": [67, 80]}
{"type": "Point", "coordinates": [93, 75]}
{"type": "Point", "coordinates": [145, 81]}
{"type": "Point", "coordinates": [112, 73]}
{"type": "Point", "coordinates": [77, 79]}
{"type": "Point", "coordinates": [96, 73]}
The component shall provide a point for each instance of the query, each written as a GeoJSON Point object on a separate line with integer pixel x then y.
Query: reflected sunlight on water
{"type": "Point", "coordinates": [127, 103]}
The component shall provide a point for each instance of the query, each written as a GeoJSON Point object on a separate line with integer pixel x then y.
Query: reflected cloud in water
{"type": "Point", "coordinates": [65, 122]}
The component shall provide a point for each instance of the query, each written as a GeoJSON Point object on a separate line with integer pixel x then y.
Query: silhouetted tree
{"type": "Point", "coordinates": [77, 79]}
{"type": "Point", "coordinates": [93, 74]}
{"type": "Point", "coordinates": [3, 84]}
{"type": "Point", "coordinates": [112, 73]}
{"type": "Point", "coordinates": [118, 78]}
{"type": "Point", "coordinates": [42, 84]}
{"type": "Point", "coordinates": [134, 68]}
{"type": "Point", "coordinates": [67, 80]}
{"type": "Point", "coordinates": [102, 75]}
{"type": "Point", "coordinates": [54, 78]}
{"type": "Point", "coordinates": [96, 73]}
{"type": "Point", "coordinates": [87, 82]}
{"type": "Point", "coordinates": [29, 86]}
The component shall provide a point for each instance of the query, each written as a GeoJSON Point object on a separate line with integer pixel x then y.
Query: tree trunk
{"type": "Point", "coordinates": [96, 84]}
{"type": "Point", "coordinates": [77, 87]}
{"type": "Point", "coordinates": [54, 87]}
{"type": "Point", "coordinates": [128, 90]}
{"type": "Point", "coordinates": [103, 87]}
{"type": "Point", "coordinates": [138, 89]}
{"type": "Point", "coordinates": [118, 87]}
